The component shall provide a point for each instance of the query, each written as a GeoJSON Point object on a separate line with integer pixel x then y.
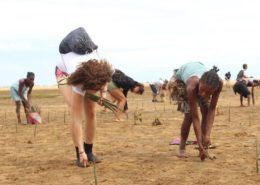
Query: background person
{"type": "Point", "coordinates": [156, 88]}
{"type": "Point", "coordinates": [21, 92]}
{"type": "Point", "coordinates": [118, 89]}
{"type": "Point", "coordinates": [242, 84]}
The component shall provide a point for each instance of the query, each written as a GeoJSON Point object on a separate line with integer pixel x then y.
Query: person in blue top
{"type": "Point", "coordinates": [197, 85]}
{"type": "Point", "coordinates": [21, 92]}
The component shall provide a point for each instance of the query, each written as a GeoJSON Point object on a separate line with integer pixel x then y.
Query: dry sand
{"type": "Point", "coordinates": [132, 153]}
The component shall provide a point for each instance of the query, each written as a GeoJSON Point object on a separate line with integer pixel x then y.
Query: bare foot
{"type": "Point", "coordinates": [182, 154]}
{"type": "Point", "coordinates": [119, 120]}
{"type": "Point", "coordinates": [103, 111]}
{"type": "Point", "coordinates": [211, 156]}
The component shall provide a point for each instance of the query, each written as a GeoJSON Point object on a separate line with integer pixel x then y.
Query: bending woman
{"type": "Point", "coordinates": [81, 71]}
{"type": "Point", "coordinates": [119, 87]}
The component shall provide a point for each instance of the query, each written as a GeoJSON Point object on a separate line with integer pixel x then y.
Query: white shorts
{"type": "Point", "coordinates": [69, 63]}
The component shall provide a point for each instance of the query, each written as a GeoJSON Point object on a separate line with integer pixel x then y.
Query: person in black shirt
{"type": "Point", "coordinates": [118, 89]}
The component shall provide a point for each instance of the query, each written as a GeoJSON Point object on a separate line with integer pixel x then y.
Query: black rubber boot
{"type": "Point", "coordinates": [77, 162]}
{"type": "Point", "coordinates": [90, 155]}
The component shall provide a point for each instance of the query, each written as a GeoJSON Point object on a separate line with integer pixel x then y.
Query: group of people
{"type": "Point", "coordinates": [82, 71]}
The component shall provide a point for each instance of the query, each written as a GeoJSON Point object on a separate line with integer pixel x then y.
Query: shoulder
{"type": "Point", "coordinates": [21, 81]}
{"type": "Point", "coordinates": [192, 84]}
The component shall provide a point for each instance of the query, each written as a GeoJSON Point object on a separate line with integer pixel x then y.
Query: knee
{"type": "Point", "coordinates": [122, 100]}
{"type": "Point", "coordinates": [91, 114]}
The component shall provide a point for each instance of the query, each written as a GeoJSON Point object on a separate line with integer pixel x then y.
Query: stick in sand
{"type": "Point", "coordinates": [95, 175]}
{"type": "Point", "coordinates": [256, 146]}
{"type": "Point", "coordinates": [5, 118]}
{"type": "Point", "coordinates": [64, 117]}
{"type": "Point", "coordinates": [229, 119]}
{"type": "Point", "coordinates": [35, 128]}
{"type": "Point", "coordinates": [16, 126]}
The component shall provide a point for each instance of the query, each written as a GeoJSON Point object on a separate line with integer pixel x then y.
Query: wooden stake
{"type": "Point", "coordinates": [256, 146]}
{"type": "Point", "coordinates": [5, 122]}
{"type": "Point", "coordinates": [35, 128]}
{"type": "Point", "coordinates": [64, 117]}
{"type": "Point", "coordinates": [229, 119]}
{"type": "Point", "coordinates": [16, 126]}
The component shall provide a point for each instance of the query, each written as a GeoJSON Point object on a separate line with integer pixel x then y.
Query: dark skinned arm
{"type": "Point", "coordinates": [21, 84]}
{"type": "Point", "coordinates": [192, 90]}
{"type": "Point", "coordinates": [29, 94]}
{"type": "Point", "coordinates": [211, 113]}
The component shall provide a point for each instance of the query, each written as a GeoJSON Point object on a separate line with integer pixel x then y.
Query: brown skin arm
{"type": "Point", "coordinates": [192, 89]}
{"type": "Point", "coordinates": [211, 114]}
{"type": "Point", "coordinates": [29, 94]}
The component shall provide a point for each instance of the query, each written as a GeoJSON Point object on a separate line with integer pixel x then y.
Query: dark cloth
{"type": "Point", "coordinates": [154, 89]}
{"type": "Point", "coordinates": [241, 88]}
{"type": "Point", "coordinates": [125, 82]}
{"type": "Point", "coordinates": [179, 94]}
{"type": "Point", "coordinates": [77, 41]}
{"type": "Point", "coordinates": [228, 76]}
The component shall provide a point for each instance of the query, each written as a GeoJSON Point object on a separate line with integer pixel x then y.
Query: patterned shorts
{"type": "Point", "coordinates": [61, 76]}
{"type": "Point", "coordinates": [178, 89]}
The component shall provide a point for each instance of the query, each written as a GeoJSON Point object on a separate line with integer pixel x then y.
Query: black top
{"type": "Point", "coordinates": [123, 81]}
{"type": "Point", "coordinates": [77, 41]}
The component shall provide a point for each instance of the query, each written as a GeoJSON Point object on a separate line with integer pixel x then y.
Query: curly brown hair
{"type": "Point", "coordinates": [92, 74]}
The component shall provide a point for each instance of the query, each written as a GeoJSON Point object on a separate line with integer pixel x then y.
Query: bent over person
{"type": "Point", "coordinates": [81, 71]}
{"type": "Point", "coordinates": [196, 85]}
{"type": "Point", "coordinates": [118, 89]}
{"type": "Point", "coordinates": [21, 92]}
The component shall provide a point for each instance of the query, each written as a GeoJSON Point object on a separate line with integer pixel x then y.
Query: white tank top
{"type": "Point", "coordinates": [70, 61]}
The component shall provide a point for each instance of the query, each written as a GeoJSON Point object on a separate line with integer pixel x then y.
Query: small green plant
{"type": "Point", "coordinates": [35, 108]}
{"type": "Point", "coordinates": [156, 122]}
{"type": "Point", "coordinates": [138, 116]}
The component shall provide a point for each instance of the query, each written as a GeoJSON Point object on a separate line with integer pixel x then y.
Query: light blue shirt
{"type": "Point", "coordinates": [14, 91]}
{"type": "Point", "coordinates": [190, 69]}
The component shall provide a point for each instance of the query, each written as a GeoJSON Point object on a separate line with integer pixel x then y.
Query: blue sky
{"type": "Point", "coordinates": [146, 39]}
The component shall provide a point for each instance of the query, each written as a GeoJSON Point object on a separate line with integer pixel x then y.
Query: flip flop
{"type": "Point", "coordinates": [212, 146]}
{"type": "Point", "coordinates": [177, 141]}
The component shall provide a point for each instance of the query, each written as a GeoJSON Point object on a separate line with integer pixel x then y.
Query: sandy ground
{"type": "Point", "coordinates": [133, 152]}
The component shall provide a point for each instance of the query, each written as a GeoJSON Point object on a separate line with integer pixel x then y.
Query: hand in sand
{"type": "Point", "coordinates": [84, 160]}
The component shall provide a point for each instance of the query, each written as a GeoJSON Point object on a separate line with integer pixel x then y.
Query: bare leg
{"type": "Point", "coordinates": [253, 94]}
{"type": "Point", "coordinates": [17, 110]}
{"type": "Point", "coordinates": [26, 111]}
{"type": "Point", "coordinates": [66, 91]}
{"type": "Point", "coordinates": [185, 130]}
{"type": "Point", "coordinates": [121, 100]}
{"type": "Point", "coordinates": [241, 101]}
{"type": "Point", "coordinates": [90, 128]}
{"type": "Point", "coordinates": [248, 100]}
